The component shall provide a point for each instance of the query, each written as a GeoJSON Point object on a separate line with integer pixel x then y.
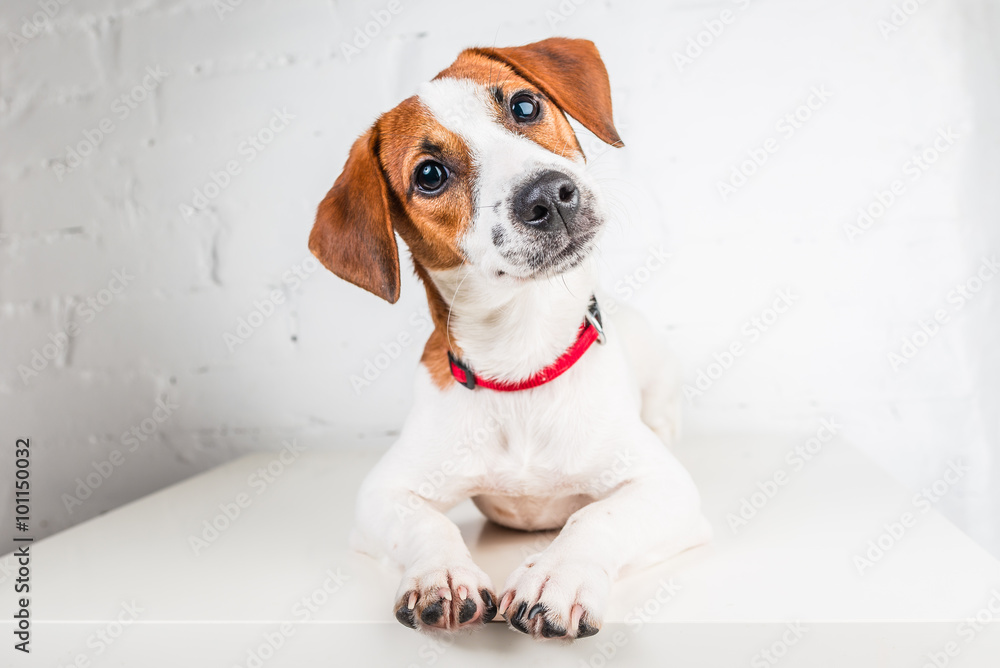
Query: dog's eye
{"type": "Point", "coordinates": [430, 176]}
{"type": "Point", "coordinates": [524, 108]}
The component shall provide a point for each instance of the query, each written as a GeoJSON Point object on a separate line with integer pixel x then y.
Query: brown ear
{"type": "Point", "coordinates": [353, 235]}
{"type": "Point", "coordinates": [571, 73]}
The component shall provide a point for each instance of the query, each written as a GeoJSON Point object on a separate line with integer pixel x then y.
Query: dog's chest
{"type": "Point", "coordinates": [541, 447]}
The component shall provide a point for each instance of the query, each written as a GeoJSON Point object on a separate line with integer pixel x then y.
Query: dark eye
{"type": "Point", "coordinates": [430, 176]}
{"type": "Point", "coordinates": [524, 108]}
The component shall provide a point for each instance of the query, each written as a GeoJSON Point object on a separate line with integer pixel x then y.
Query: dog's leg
{"type": "Point", "coordinates": [442, 588]}
{"type": "Point", "coordinates": [649, 516]}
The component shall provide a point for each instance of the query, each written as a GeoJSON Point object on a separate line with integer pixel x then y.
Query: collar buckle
{"type": "Point", "coordinates": [470, 378]}
{"type": "Point", "coordinates": [594, 318]}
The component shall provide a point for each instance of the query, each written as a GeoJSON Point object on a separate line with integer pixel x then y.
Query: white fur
{"type": "Point", "coordinates": [573, 452]}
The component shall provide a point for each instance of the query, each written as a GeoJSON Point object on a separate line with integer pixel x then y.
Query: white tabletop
{"type": "Point", "coordinates": [279, 587]}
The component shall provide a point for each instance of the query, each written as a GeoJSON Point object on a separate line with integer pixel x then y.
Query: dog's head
{"type": "Point", "coordinates": [481, 168]}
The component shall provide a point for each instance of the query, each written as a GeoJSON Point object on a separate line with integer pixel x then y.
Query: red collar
{"type": "Point", "coordinates": [590, 330]}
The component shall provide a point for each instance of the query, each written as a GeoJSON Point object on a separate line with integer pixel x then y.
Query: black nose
{"type": "Point", "coordinates": [548, 202]}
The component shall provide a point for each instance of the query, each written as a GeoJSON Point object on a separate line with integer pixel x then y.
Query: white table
{"type": "Point", "coordinates": [786, 583]}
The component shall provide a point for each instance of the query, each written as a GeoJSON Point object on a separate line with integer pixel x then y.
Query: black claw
{"type": "Point", "coordinates": [432, 613]}
{"type": "Point", "coordinates": [489, 605]}
{"type": "Point", "coordinates": [467, 612]}
{"type": "Point", "coordinates": [551, 630]}
{"type": "Point", "coordinates": [535, 610]}
{"type": "Point", "coordinates": [517, 619]}
{"type": "Point", "coordinates": [405, 617]}
{"type": "Point", "coordinates": [586, 630]}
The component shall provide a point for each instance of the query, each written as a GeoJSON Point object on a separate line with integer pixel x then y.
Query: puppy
{"type": "Point", "coordinates": [528, 399]}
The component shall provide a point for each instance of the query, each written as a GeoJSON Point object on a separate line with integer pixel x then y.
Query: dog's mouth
{"type": "Point", "coordinates": [570, 256]}
{"type": "Point", "coordinates": [547, 259]}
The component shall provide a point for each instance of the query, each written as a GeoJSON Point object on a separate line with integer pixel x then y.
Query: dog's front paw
{"type": "Point", "coordinates": [548, 597]}
{"type": "Point", "coordinates": [445, 599]}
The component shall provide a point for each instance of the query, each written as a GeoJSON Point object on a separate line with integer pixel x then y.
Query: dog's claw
{"type": "Point", "coordinates": [489, 606]}
{"type": "Point", "coordinates": [505, 602]}
{"type": "Point", "coordinates": [535, 610]}
{"type": "Point", "coordinates": [585, 630]}
{"type": "Point", "coordinates": [516, 620]}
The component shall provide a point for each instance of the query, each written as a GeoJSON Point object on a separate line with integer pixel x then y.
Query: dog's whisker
{"type": "Point", "coordinates": [451, 307]}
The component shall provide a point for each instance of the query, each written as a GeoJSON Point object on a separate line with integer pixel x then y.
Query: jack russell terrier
{"type": "Point", "coordinates": [482, 176]}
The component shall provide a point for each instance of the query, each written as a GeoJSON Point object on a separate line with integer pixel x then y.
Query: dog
{"type": "Point", "coordinates": [545, 412]}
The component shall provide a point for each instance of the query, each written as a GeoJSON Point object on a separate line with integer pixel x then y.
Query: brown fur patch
{"type": "Point", "coordinates": [571, 73]}
{"type": "Point", "coordinates": [353, 235]}
{"type": "Point", "coordinates": [431, 225]}
{"type": "Point", "coordinates": [435, 356]}
{"type": "Point", "coordinates": [551, 130]}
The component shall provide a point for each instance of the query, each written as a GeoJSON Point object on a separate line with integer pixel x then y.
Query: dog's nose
{"type": "Point", "coordinates": [548, 202]}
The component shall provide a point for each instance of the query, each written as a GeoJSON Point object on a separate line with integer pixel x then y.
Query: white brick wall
{"type": "Point", "coordinates": [64, 232]}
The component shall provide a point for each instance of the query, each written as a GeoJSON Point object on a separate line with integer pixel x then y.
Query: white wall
{"type": "Point", "coordinates": [64, 231]}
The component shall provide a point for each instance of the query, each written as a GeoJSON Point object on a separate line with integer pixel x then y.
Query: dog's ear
{"type": "Point", "coordinates": [572, 74]}
{"type": "Point", "coordinates": [353, 234]}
